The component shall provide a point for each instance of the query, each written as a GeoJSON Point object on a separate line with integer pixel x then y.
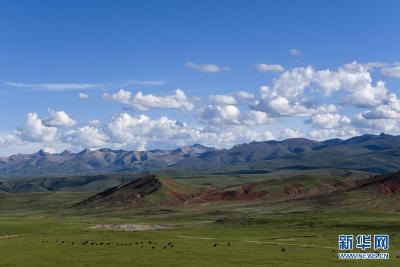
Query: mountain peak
{"type": "Point", "coordinates": [196, 148]}
{"type": "Point", "coordinates": [66, 152]}
{"type": "Point", "coordinates": [85, 151]}
{"type": "Point", "coordinates": [41, 153]}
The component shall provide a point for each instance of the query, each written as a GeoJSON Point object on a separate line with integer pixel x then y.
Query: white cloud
{"type": "Point", "coordinates": [95, 123]}
{"type": "Point", "coordinates": [323, 134]}
{"type": "Point", "coordinates": [11, 144]}
{"type": "Point", "coordinates": [389, 110]}
{"type": "Point", "coordinates": [206, 68]}
{"type": "Point", "coordinates": [36, 130]}
{"type": "Point", "coordinates": [55, 86]}
{"type": "Point", "coordinates": [239, 117]}
{"type": "Point", "coordinates": [385, 125]}
{"type": "Point", "coordinates": [8, 140]}
{"type": "Point", "coordinates": [83, 96]}
{"type": "Point", "coordinates": [220, 115]}
{"type": "Point", "coordinates": [229, 115]}
{"type": "Point", "coordinates": [272, 102]}
{"type": "Point", "coordinates": [244, 96]}
{"type": "Point", "coordinates": [269, 67]}
{"type": "Point", "coordinates": [254, 117]}
{"type": "Point", "coordinates": [222, 99]}
{"type": "Point", "coordinates": [288, 133]}
{"type": "Point", "coordinates": [294, 52]}
{"type": "Point", "coordinates": [291, 84]}
{"type": "Point", "coordinates": [86, 136]}
{"type": "Point", "coordinates": [141, 132]}
{"type": "Point", "coordinates": [59, 119]}
{"type": "Point", "coordinates": [329, 120]}
{"type": "Point", "coordinates": [142, 102]}
{"type": "Point", "coordinates": [353, 78]}
{"type": "Point", "coordinates": [376, 64]}
{"type": "Point", "coordinates": [147, 83]}
{"type": "Point", "coordinates": [293, 92]}
{"type": "Point", "coordinates": [391, 72]}
{"type": "Point", "coordinates": [356, 79]}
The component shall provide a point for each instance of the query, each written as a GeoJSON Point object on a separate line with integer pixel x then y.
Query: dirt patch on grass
{"type": "Point", "coordinates": [9, 236]}
{"type": "Point", "coordinates": [130, 227]}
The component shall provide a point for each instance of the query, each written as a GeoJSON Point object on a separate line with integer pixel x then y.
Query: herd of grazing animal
{"type": "Point", "coordinates": [142, 244]}
{"type": "Point", "coordinates": [107, 242]}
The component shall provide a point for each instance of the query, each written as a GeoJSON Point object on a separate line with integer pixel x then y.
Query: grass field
{"type": "Point", "coordinates": [257, 234]}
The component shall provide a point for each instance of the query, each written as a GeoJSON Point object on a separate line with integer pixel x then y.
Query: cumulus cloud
{"type": "Point", "coordinates": [36, 130]}
{"type": "Point", "coordinates": [86, 136]}
{"type": "Point", "coordinates": [58, 119]}
{"type": "Point", "coordinates": [206, 68]}
{"type": "Point", "coordinates": [288, 133]}
{"type": "Point", "coordinates": [291, 94]}
{"type": "Point", "coordinates": [141, 132]}
{"type": "Point", "coordinates": [320, 96]}
{"type": "Point", "coordinates": [95, 123]}
{"type": "Point", "coordinates": [323, 134]}
{"type": "Point", "coordinates": [389, 110]}
{"type": "Point", "coordinates": [229, 115]}
{"type": "Point", "coordinates": [8, 140]}
{"type": "Point", "coordinates": [279, 102]}
{"type": "Point", "coordinates": [11, 144]}
{"type": "Point", "coordinates": [222, 99]}
{"type": "Point", "coordinates": [83, 96]}
{"type": "Point", "coordinates": [262, 67]}
{"type": "Point", "coordinates": [244, 96]}
{"type": "Point", "coordinates": [220, 115]}
{"type": "Point", "coordinates": [254, 117]}
{"type": "Point", "coordinates": [329, 120]}
{"type": "Point", "coordinates": [356, 79]}
{"type": "Point", "coordinates": [142, 102]}
{"type": "Point", "coordinates": [385, 125]}
{"type": "Point", "coordinates": [391, 72]}
{"type": "Point", "coordinates": [291, 84]}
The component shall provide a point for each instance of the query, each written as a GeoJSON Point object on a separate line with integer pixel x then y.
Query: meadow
{"type": "Point", "coordinates": [33, 225]}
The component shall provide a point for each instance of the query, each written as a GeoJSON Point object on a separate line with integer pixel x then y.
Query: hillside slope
{"type": "Point", "coordinates": [146, 191]}
{"type": "Point", "coordinates": [84, 183]}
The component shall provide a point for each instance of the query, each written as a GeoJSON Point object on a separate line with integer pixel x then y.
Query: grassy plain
{"type": "Point", "coordinates": [257, 232]}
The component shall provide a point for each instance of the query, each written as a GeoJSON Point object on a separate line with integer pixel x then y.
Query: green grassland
{"type": "Point", "coordinates": [224, 178]}
{"type": "Point", "coordinates": [257, 233]}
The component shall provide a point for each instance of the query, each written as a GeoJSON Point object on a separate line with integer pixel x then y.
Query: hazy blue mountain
{"type": "Point", "coordinates": [93, 161]}
{"type": "Point", "coordinates": [374, 153]}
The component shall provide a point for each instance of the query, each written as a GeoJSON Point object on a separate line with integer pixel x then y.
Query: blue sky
{"type": "Point", "coordinates": [51, 51]}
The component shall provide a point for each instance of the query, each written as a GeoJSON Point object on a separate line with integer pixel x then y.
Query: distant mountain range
{"type": "Point", "coordinates": [372, 153]}
{"type": "Point", "coordinates": [94, 161]}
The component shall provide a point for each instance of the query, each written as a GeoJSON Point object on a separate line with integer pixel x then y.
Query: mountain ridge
{"type": "Point", "coordinates": [375, 153]}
